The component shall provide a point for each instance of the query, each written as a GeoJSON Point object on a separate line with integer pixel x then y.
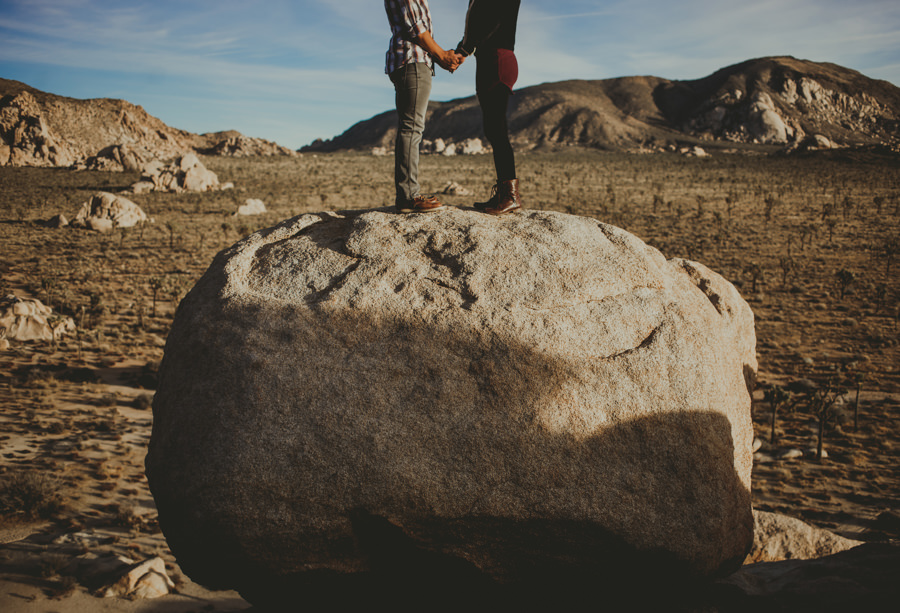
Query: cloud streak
{"type": "Point", "coordinates": [305, 69]}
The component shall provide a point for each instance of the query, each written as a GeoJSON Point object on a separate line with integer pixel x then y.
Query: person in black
{"type": "Point", "coordinates": [491, 35]}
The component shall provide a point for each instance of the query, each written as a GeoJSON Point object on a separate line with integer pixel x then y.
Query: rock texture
{"type": "Point", "coordinates": [105, 211]}
{"type": "Point", "coordinates": [453, 398]}
{"type": "Point", "coordinates": [29, 319]}
{"type": "Point", "coordinates": [185, 174]}
{"type": "Point", "coordinates": [863, 578]}
{"type": "Point", "coordinates": [779, 537]}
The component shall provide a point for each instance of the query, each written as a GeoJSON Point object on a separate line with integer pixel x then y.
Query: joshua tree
{"type": "Point", "coordinates": [777, 397]}
{"type": "Point", "coordinates": [174, 229]}
{"type": "Point", "coordinates": [857, 378]}
{"type": "Point", "coordinates": [820, 402]}
{"type": "Point", "coordinates": [770, 203]}
{"type": "Point", "coordinates": [845, 279]}
{"type": "Point", "coordinates": [888, 249]}
{"type": "Point", "coordinates": [756, 273]}
{"type": "Point", "coordinates": [787, 264]}
{"type": "Point", "coordinates": [156, 284]}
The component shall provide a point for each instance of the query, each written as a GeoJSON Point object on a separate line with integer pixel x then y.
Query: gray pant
{"type": "Point", "coordinates": [412, 83]}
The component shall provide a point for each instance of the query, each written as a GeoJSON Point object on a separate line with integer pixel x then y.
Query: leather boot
{"type": "Point", "coordinates": [508, 198]}
{"type": "Point", "coordinates": [491, 202]}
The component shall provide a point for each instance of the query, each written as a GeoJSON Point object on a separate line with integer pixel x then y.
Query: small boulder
{"type": "Point", "coordinates": [252, 206]}
{"type": "Point", "coordinates": [147, 579]}
{"type": "Point", "coordinates": [779, 537]}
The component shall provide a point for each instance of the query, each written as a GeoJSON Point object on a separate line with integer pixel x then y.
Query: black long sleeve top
{"type": "Point", "coordinates": [490, 24]}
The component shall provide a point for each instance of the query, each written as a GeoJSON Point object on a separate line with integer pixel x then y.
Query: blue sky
{"type": "Point", "coordinates": [294, 70]}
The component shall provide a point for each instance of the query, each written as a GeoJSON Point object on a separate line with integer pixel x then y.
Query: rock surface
{"type": "Point", "coordinates": [778, 537]}
{"type": "Point", "coordinates": [863, 578]}
{"type": "Point", "coordinates": [185, 174]}
{"type": "Point", "coordinates": [105, 211]}
{"type": "Point", "coordinates": [540, 398]}
{"type": "Point", "coordinates": [251, 206]}
{"type": "Point", "coordinates": [29, 319]}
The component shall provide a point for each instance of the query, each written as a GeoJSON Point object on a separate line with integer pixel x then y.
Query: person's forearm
{"type": "Point", "coordinates": [426, 41]}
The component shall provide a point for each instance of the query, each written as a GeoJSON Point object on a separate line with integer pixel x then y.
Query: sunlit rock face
{"type": "Point", "coordinates": [453, 397]}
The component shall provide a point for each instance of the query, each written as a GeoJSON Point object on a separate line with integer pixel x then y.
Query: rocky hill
{"type": "Point", "coordinates": [41, 129]}
{"type": "Point", "coordinates": [770, 101]}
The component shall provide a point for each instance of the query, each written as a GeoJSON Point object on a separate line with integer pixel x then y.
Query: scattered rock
{"type": "Point", "coordinates": [789, 454]}
{"type": "Point", "coordinates": [455, 189]}
{"type": "Point", "coordinates": [28, 319]}
{"type": "Point", "coordinates": [118, 158]}
{"type": "Point", "coordinates": [147, 579]}
{"type": "Point", "coordinates": [105, 211]}
{"type": "Point", "coordinates": [252, 206]}
{"type": "Point", "coordinates": [453, 397]}
{"type": "Point", "coordinates": [186, 173]}
{"type": "Point", "coordinates": [779, 537]}
{"type": "Point", "coordinates": [238, 145]}
{"type": "Point", "coordinates": [57, 221]}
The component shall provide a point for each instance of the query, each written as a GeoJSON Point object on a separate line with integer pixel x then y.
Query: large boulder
{"type": "Point", "coordinates": [105, 211]}
{"type": "Point", "coordinates": [185, 174]}
{"type": "Point", "coordinates": [29, 319]}
{"type": "Point", "coordinates": [453, 398]}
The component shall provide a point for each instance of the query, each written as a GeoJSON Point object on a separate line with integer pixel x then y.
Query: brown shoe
{"type": "Point", "coordinates": [419, 204]}
{"type": "Point", "coordinates": [491, 202]}
{"type": "Point", "coordinates": [508, 198]}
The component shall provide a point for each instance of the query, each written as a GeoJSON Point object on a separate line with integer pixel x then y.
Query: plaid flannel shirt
{"type": "Point", "coordinates": [408, 19]}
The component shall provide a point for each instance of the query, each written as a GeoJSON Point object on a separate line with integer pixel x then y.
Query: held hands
{"type": "Point", "coordinates": [450, 60]}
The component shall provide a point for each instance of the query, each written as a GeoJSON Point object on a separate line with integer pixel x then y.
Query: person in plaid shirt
{"type": "Point", "coordinates": [409, 63]}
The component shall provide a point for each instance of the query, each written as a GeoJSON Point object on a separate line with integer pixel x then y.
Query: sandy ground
{"type": "Point", "coordinates": [74, 415]}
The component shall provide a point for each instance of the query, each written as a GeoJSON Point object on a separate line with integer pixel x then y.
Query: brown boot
{"type": "Point", "coordinates": [508, 198]}
{"type": "Point", "coordinates": [491, 202]}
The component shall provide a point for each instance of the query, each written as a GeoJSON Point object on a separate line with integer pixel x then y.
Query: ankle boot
{"type": "Point", "coordinates": [491, 202]}
{"type": "Point", "coordinates": [508, 198]}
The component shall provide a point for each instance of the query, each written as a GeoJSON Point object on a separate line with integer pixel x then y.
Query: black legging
{"type": "Point", "coordinates": [493, 103]}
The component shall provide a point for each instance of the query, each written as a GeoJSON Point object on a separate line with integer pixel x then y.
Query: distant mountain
{"type": "Point", "coordinates": [41, 129]}
{"type": "Point", "coordinates": [772, 101]}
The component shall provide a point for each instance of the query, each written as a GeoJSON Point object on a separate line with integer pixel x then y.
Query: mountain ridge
{"type": "Point", "coordinates": [778, 100]}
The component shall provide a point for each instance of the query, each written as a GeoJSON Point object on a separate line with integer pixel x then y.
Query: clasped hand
{"type": "Point", "coordinates": [450, 60]}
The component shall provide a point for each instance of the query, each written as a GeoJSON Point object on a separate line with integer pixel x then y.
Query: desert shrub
{"type": "Point", "coordinates": [142, 401]}
{"type": "Point", "coordinates": [30, 496]}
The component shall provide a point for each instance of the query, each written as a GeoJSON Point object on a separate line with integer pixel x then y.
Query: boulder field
{"type": "Point", "coordinates": [357, 402]}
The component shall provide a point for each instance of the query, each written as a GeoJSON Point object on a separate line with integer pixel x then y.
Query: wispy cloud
{"type": "Point", "coordinates": [312, 68]}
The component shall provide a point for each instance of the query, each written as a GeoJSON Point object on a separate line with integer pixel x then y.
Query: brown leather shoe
{"type": "Point", "coordinates": [419, 204]}
{"type": "Point", "coordinates": [491, 202]}
{"type": "Point", "coordinates": [508, 198]}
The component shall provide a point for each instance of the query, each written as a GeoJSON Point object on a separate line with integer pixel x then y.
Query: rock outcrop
{"type": "Point", "coordinates": [105, 211]}
{"type": "Point", "coordinates": [765, 101]}
{"type": "Point", "coordinates": [29, 319]}
{"type": "Point", "coordinates": [186, 174]}
{"type": "Point", "coordinates": [369, 399]}
{"type": "Point", "coordinates": [42, 129]}
{"type": "Point", "coordinates": [235, 144]}
{"type": "Point", "coordinates": [25, 137]}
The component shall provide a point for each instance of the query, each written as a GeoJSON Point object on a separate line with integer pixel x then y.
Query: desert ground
{"type": "Point", "coordinates": [812, 243]}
